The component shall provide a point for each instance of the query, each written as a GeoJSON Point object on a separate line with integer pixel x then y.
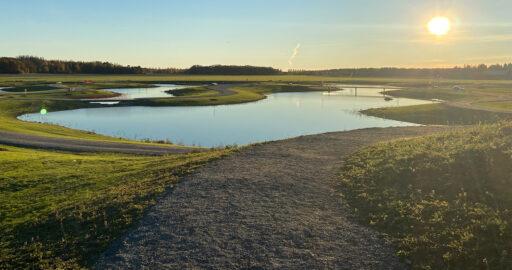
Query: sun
{"type": "Point", "coordinates": [439, 26]}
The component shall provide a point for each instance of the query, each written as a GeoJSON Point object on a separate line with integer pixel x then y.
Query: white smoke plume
{"type": "Point", "coordinates": [294, 54]}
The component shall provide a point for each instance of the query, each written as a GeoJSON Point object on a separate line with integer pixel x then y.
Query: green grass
{"type": "Point", "coordinates": [243, 93]}
{"type": "Point", "coordinates": [428, 94]}
{"type": "Point", "coordinates": [484, 101]}
{"type": "Point", "coordinates": [500, 105]}
{"type": "Point", "coordinates": [437, 114]}
{"type": "Point", "coordinates": [30, 88]}
{"type": "Point", "coordinates": [46, 78]}
{"type": "Point", "coordinates": [192, 92]}
{"type": "Point", "coordinates": [444, 200]}
{"type": "Point", "coordinates": [471, 92]}
{"type": "Point", "coordinates": [60, 210]}
{"type": "Point", "coordinates": [201, 97]}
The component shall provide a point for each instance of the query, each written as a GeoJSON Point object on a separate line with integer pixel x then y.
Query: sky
{"type": "Point", "coordinates": [286, 34]}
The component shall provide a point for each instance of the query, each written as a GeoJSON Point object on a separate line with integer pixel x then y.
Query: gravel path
{"type": "Point", "coordinates": [77, 145]}
{"type": "Point", "coordinates": [268, 206]}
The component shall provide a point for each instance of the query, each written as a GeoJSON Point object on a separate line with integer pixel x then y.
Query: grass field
{"type": "Point", "coordinates": [445, 200]}
{"type": "Point", "coordinates": [7, 80]}
{"type": "Point", "coordinates": [437, 114]}
{"type": "Point", "coordinates": [60, 210]}
{"type": "Point", "coordinates": [30, 88]}
{"type": "Point", "coordinates": [482, 103]}
{"type": "Point", "coordinates": [500, 105]}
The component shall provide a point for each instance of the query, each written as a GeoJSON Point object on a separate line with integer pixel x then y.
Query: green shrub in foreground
{"type": "Point", "coordinates": [445, 200]}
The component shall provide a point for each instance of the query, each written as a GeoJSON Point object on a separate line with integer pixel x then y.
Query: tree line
{"type": "Point", "coordinates": [498, 71]}
{"type": "Point", "coordinates": [31, 64]}
{"type": "Point", "coordinates": [232, 70]}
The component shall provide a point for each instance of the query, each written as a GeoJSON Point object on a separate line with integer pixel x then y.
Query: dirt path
{"type": "Point", "coordinates": [273, 205]}
{"type": "Point", "coordinates": [77, 145]}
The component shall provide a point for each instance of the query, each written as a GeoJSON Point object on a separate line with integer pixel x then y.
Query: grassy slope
{"type": "Point", "coordinates": [443, 114]}
{"type": "Point", "coordinates": [57, 212]}
{"type": "Point", "coordinates": [446, 200]}
{"type": "Point", "coordinates": [437, 114]}
{"type": "Point", "coordinates": [9, 109]}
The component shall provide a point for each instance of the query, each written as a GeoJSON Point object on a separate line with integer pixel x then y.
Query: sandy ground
{"type": "Point", "coordinates": [269, 206]}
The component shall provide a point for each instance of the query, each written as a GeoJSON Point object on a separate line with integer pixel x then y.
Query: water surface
{"type": "Point", "coordinates": [280, 116]}
{"type": "Point", "coordinates": [146, 92]}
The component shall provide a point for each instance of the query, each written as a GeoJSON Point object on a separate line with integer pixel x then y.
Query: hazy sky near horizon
{"type": "Point", "coordinates": [320, 33]}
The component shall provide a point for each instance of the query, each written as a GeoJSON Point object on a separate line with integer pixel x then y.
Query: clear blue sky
{"type": "Point", "coordinates": [331, 33]}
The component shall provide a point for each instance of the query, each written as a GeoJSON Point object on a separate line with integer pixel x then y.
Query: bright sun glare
{"type": "Point", "coordinates": [439, 26]}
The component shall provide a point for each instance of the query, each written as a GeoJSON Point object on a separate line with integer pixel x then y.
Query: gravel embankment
{"type": "Point", "coordinates": [273, 205]}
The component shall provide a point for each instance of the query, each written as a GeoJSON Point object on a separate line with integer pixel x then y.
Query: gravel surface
{"type": "Point", "coordinates": [77, 145]}
{"type": "Point", "coordinates": [272, 205]}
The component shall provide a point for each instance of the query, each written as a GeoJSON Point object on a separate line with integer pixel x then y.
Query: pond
{"type": "Point", "coordinates": [159, 91]}
{"type": "Point", "coordinates": [280, 116]}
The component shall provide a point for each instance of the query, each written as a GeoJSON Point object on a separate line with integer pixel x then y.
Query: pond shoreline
{"type": "Point", "coordinates": [278, 116]}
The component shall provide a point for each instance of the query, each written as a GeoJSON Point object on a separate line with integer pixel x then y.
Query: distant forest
{"type": "Point", "coordinates": [31, 64]}
{"type": "Point", "coordinates": [232, 70]}
{"type": "Point", "coordinates": [501, 72]}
